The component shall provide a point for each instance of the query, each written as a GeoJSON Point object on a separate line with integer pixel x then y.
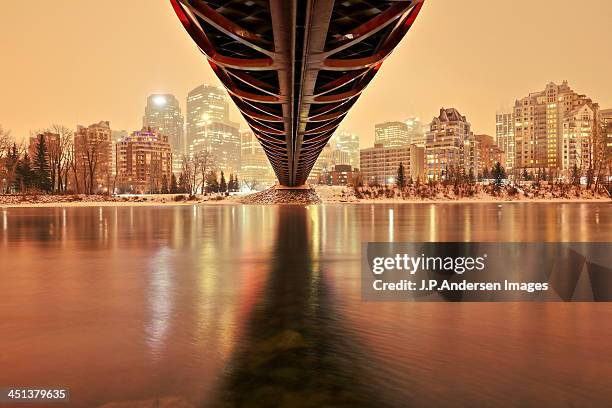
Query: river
{"type": "Point", "coordinates": [257, 306]}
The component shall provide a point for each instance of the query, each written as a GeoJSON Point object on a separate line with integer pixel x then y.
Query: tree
{"type": "Point", "coordinates": [499, 174]}
{"type": "Point", "coordinates": [212, 185]}
{"type": "Point", "coordinates": [575, 177]}
{"type": "Point", "coordinates": [59, 155]}
{"type": "Point", "coordinates": [252, 184]}
{"type": "Point", "coordinates": [164, 185]}
{"type": "Point", "coordinates": [6, 141]}
{"type": "Point", "coordinates": [223, 183]}
{"type": "Point", "coordinates": [401, 177]}
{"type": "Point", "coordinates": [11, 164]}
{"type": "Point", "coordinates": [174, 188]}
{"type": "Point", "coordinates": [182, 183]}
{"type": "Point", "coordinates": [525, 175]}
{"type": "Point", "coordinates": [25, 177]}
{"type": "Point", "coordinates": [235, 185]}
{"type": "Point", "coordinates": [485, 173]}
{"type": "Point", "coordinates": [41, 166]}
{"type": "Point", "coordinates": [204, 161]}
{"type": "Point", "coordinates": [471, 177]}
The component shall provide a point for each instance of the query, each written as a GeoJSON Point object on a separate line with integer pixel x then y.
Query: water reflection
{"type": "Point", "coordinates": [218, 304]}
{"type": "Point", "coordinates": [294, 351]}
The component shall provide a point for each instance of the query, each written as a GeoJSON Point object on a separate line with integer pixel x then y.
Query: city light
{"type": "Point", "coordinates": [160, 100]}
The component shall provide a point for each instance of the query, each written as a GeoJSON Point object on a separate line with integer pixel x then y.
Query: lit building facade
{"type": "Point", "coordinates": [144, 162]}
{"type": "Point", "coordinates": [578, 144]}
{"type": "Point", "coordinates": [222, 140]}
{"type": "Point", "coordinates": [163, 113]}
{"type": "Point", "coordinates": [348, 142]}
{"type": "Point", "coordinates": [392, 134]}
{"type": "Point", "coordinates": [416, 131]}
{"type": "Point", "coordinates": [93, 149]}
{"type": "Point", "coordinates": [605, 118]}
{"type": "Point", "coordinates": [116, 135]}
{"type": "Point", "coordinates": [254, 166]}
{"type": "Point", "coordinates": [205, 104]}
{"type": "Point", "coordinates": [504, 138]}
{"type": "Point", "coordinates": [489, 153]}
{"type": "Point", "coordinates": [379, 164]}
{"type": "Point", "coordinates": [451, 145]}
{"type": "Point", "coordinates": [540, 118]}
{"type": "Point", "coordinates": [330, 157]}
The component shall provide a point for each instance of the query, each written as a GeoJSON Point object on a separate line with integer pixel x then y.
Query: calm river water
{"type": "Point", "coordinates": [253, 306]}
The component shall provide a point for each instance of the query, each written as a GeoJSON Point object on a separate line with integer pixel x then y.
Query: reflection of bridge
{"type": "Point", "coordinates": [294, 68]}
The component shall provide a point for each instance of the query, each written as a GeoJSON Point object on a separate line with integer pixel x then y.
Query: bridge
{"type": "Point", "coordinates": [294, 68]}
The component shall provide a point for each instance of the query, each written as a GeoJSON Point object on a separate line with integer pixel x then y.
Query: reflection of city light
{"type": "Point", "coordinates": [160, 300]}
{"type": "Point", "coordinates": [160, 100]}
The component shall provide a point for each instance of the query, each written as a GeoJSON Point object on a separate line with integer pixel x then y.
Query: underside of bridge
{"type": "Point", "coordinates": [294, 68]}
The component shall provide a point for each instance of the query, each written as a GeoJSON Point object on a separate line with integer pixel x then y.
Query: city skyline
{"type": "Point", "coordinates": [68, 92]}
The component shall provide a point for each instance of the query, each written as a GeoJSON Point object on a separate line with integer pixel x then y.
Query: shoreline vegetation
{"type": "Point", "coordinates": [426, 193]}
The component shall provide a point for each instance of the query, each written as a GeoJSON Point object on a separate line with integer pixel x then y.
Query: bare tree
{"type": "Point", "coordinates": [190, 174]}
{"type": "Point", "coordinates": [205, 163]}
{"type": "Point", "coordinates": [6, 142]}
{"type": "Point", "coordinates": [58, 153]}
{"type": "Point", "coordinates": [252, 184]}
{"type": "Point", "coordinates": [10, 154]}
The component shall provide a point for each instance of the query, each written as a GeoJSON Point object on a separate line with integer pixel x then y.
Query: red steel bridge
{"type": "Point", "coordinates": [294, 68]}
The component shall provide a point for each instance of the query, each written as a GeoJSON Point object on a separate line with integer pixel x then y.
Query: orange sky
{"type": "Point", "coordinates": [82, 61]}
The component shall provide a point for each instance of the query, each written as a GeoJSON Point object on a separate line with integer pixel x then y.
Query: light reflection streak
{"type": "Point", "coordinates": [160, 301]}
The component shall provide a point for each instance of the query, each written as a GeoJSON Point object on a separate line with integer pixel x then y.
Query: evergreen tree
{"type": "Point", "coordinates": [24, 178]}
{"type": "Point", "coordinates": [575, 175]}
{"type": "Point", "coordinates": [41, 168]}
{"type": "Point", "coordinates": [164, 185]}
{"type": "Point", "coordinates": [182, 184]}
{"type": "Point", "coordinates": [12, 161]}
{"type": "Point", "coordinates": [499, 174]}
{"type": "Point", "coordinates": [174, 189]}
{"type": "Point", "coordinates": [471, 177]}
{"type": "Point", "coordinates": [236, 183]}
{"type": "Point", "coordinates": [212, 185]}
{"type": "Point", "coordinates": [230, 183]}
{"type": "Point", "coordinates": [223, 183]}
{"type": "Point", "coordinates": [401, 178]}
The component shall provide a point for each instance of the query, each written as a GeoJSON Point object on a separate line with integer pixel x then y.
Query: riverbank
{"type": "Point", "coordinates": [317, 195]}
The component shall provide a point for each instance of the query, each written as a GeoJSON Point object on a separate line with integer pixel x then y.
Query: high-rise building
{"type": "Point", "coordinates": [209, 127]}
{"type": "Point", "coordinates": [416, 132]}
{"type": "Point", "coordinates": [451, 146]}
{"type": "Point", "coordinates": [163, 113]}
{"type": "Point", "coordinates": [392, 134]}
{"type": "Point", "coordinates": [539, 127]}
{"type": "Point", "coordinates": [605, 117]}
{"type": "Point", "coordinates": [578, 144]}
{"type": "Point", "coordinates": [93, 147]}
{"type": "Point", "coordinates": [504, 138]}
{"type": "Point", "coordinates": [489, 153]}
{"type": "Point", "coordinates": [205, 104]}
{"type": "Point", "coordinates": [330, 157]}
{"type": "Point", "coordinates": [116, 135]}
{"type": "Point", "coordinates": [144, 161]}
{"type": "Point", "coordinates": [222, 139]}
{"type": "Point", "coordinates": [380, 164]}
{"type": "Point", "coordinates": [348, 142]}
{"type": "Point", "coordinates": [255, 169]}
